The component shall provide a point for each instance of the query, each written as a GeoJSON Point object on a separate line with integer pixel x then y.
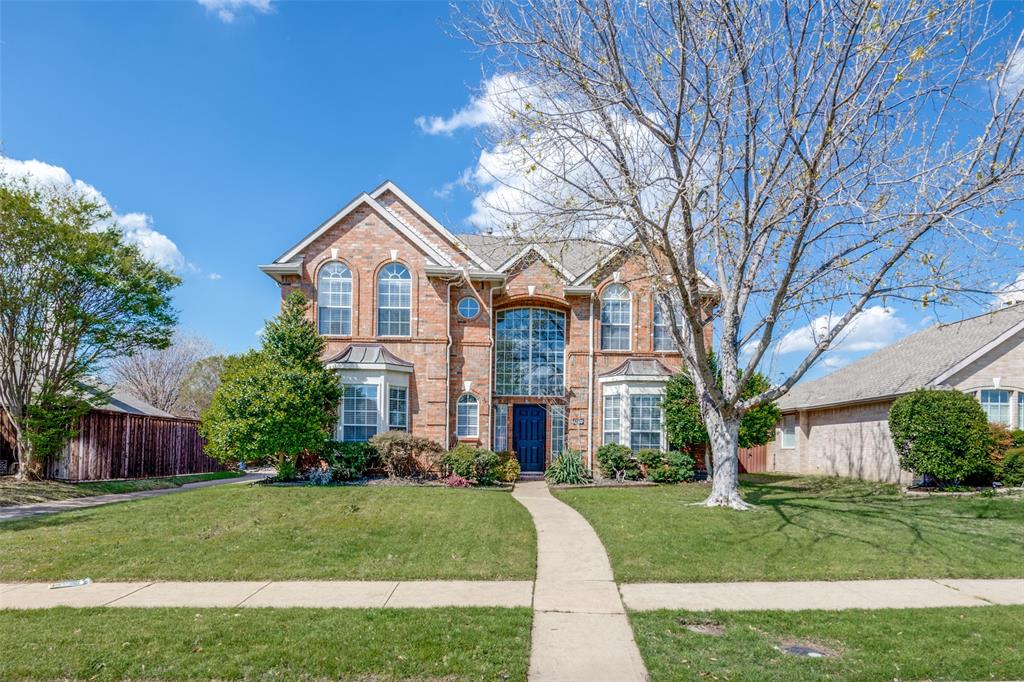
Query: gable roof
{"type": "Point", "coordinates": [927, 358]}
{"type": "Point", "coordinates": [569, 257]}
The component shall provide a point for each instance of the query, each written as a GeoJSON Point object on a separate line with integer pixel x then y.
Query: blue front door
{"type": "Point", "coordinates": [529, 425]}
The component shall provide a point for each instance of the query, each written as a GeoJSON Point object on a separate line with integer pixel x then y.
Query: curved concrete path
{"type": "Point", "coordinates": [24, 511]}
{"type": "Point", "coordinates": [580, 627]}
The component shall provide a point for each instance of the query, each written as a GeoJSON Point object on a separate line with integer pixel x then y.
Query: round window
{"type": "Point", "coordinates": [468, 307]}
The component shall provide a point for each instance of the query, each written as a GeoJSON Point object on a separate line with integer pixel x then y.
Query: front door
{"type": "Point", "coordinates": [529, 424]}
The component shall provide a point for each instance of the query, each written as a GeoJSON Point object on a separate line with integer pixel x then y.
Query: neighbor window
{"type": "Point", "coordinates": [996, 405]}
{"type": "Point", "coordinates": [612, 418]}
{"type": "Point", "coordinates": [467, 415]}
{"type": "Point", "coordinates": [1020, 410]}
{"type": "Point", "coordinates": [500, 443]}
{"type": "Point", "coordinates": [359, 412]}
{"type": "Point", "coordinates": [615, 318]}
{"type": "Point", "coordinates": [788, 440]}
{"type": "Point", "coordinates": [398, 408]}
{"type": "Point", "coordinates": [644, 422]}
{"type": "Point", "coordinates": [394, 300]}
{"type": "Point", "coordinates": [557, 430]}
{"type": "Point", "coordinates": [529, 352]}
{"type": "Point", "coordinates": [334, 299]}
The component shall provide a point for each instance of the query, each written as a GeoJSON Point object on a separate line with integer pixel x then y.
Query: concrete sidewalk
{"type": "Point", "coordinates": [277, 594]}
{"type": "Point", "coordinates": [24, 511]}
{"type": "Point", "coordinates": [580, 628]}
{"type": "Point", "coordinates": [841, 594]}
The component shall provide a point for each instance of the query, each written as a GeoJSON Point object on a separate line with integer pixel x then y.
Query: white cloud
{"type": "Point", "coordinates": [214, 276]}
{"type": "Point", "coordinates": [483, 109]}
{"type": "Point", "coordinates": [1010, 293]}
{"type": "Point", "coordinates": [228, 10]}
{"type": "Point", "coordinates": [1013, 81]}
{"type": "Point", "coordinates": [873, 328]}
{"type": "Point", "coordinates": [136, 227]}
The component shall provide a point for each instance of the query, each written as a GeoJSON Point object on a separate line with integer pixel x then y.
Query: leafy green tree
{"type": "Point", "coordinates": [199, 385]}
{"type": "Point", "coordinates": [73, 297]}
{"type": "Point", "coordinates": [944, 434]}
{"type": "Point", "coordinates": [279, 401]}
{"type": "Point", "coordinates": [685, 426]}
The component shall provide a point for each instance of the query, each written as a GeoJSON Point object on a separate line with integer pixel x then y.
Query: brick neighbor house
{"type": "Point", "coordinates": [479, 339]}
{"type": "Point", "coordinates": [838, 425]}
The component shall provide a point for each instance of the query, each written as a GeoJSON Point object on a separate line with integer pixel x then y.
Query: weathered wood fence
{"type": "Point", "coordinates": [111, 445]}
{"type": "Point", "coordinates": [753, 460]}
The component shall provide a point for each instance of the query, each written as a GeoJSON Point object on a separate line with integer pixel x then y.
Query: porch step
{"type": "Point", "coordinates": [531, 476]}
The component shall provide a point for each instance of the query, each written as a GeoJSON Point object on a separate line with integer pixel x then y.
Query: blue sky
{"type": "Point", "coordinates": [224, 130]}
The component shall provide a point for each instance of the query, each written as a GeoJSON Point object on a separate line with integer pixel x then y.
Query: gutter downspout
{"type": "Point", "coordinates": [590, 391]}
{"type": "Point", "coordinates": [448, 369]}
{"type": "Point", "coordinates": [491, 372]}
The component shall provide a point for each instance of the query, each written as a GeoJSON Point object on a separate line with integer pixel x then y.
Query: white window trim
{"type": "Point", "coordinates": [625, 389]}
{"type": "Point", "coordinates": [499, 415]}
{"type": "Point", "coordinates": [782, 434]}
{"type": "Point", "coordinates": [1009, 404]}
{"type": "Point", "coordinates": [476, 422]}
{"type": "Point", "coordinates": [376, 285]}
{"type": "Point", "coordinates": [383, 380]}
{"type": "Point", "coordinates": [565, 350]}
{"type": "Point", "coordinates": [407, 427]}
{"type": "Point", "coordinates": [352, 295]}
{"type": "Point", "coordinates": [600, 320]}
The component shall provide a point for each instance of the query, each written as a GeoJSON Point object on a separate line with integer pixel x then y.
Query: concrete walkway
{"type": "Point", "coordinates": [580, 627]}
{"type": "Point", "coordinates": [840, 594]}
{"type": "Point", "coordinates": [356, 594]}
{"type": "Point", "coordinates": [24, 511]}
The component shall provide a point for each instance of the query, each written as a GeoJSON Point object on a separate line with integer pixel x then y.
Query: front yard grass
{"type": "Point", "coordinates": [889, 644]}
{"type": "Point", "coordinates": [266, 644]}
{"type": "Point", "coordinates": [804, 528]}
{"type": "Point", "coordinates": [242, 532]}
{"type": "Point", "coordinates": [29, 492]}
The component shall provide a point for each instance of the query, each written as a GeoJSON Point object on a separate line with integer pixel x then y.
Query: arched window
{"type": "Point", "coordinates": [394, 300]}
{"type": "Point", "coordinates": [529, 355]}
{"type": "Point", "coordinates": [467, 416]}
{"type": "Point", "coordinates": [615, 317]}
{"type": "Point", "coordinates": [334, 299]}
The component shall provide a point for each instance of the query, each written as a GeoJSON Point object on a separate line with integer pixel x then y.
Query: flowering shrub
{"type": "Point", "coordinates": [456, 481]}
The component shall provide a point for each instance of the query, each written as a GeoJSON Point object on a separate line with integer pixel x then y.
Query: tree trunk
{"type": "Point", "coordinates": [723, 433]}
{"type": "Point", "coordinates": [28, 468]}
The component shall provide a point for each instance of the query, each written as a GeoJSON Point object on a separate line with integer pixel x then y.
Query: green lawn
{"type": "Point", "coordinates": [28, 492]}
{"type": "Point", "coordinates": [265, 644]}
{"type": "Point", "coordinates": [804, 528]}
{"type": "Point", "coordinates": [908, 644]}
{"type": "Point", "coordinates": [241, 532]}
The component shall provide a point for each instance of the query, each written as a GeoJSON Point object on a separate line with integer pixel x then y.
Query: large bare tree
{"type": "Point", "coordinates": [807, 157]}
{"type": "Point", "coordinates": [158, 376]}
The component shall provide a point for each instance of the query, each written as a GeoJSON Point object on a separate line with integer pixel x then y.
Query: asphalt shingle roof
{"type": "Point", "coordinates": [909, 364]}
{"type": "Point", "coordinates": [576, 256]}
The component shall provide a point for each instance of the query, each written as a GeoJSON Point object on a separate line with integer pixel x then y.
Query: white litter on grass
{"type": "Point", "coordinates": [71, 583]}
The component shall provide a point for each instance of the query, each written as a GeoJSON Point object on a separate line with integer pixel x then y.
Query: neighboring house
{"type": "Point", "coordinates": [476, 338]}
{"type": "Point", "coordinates": [121, 437]}
{"type": "Point", "coordinates": [838, 425]}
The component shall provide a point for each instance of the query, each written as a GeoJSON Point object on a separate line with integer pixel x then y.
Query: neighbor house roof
{"type": "Point", "coordinates": [368, 356]}
{"type": "Point", "coordinates": [118, 400]}
{"type": "Point", "coordinates": [927, 358]}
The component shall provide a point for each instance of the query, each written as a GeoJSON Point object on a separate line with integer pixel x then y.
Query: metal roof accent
{"type": "Point", "coordinates": [638, 367]}
{"type": "Point", "coordinates": [368, 356]}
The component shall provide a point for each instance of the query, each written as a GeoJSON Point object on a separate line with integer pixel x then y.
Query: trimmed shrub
{"type": "Point", "coordinates": [1017, 435]}
{"type": "Point", "coordinates": [649, 459]}
{"type": "Point", "coordinates": [403, 455]}
{"type": "Point", "coordinates": [478, 464]}
{"type": "Point", "coordinates": [1011, 470]}
{"type": "Point", "coordinates": [286, 471]}
{"type": "Point", "coordinates": [348, 461]}
{"type": "Point", "coordinates": [568, 469]}
{"type": "Point", "coordinates": [617, 461]}
{"type": "Point", "coordinates": [675, 467]}
{"type": "Point", "coordinates": [944, 434]}
{"type": "Point", "coordinates": [508, 467]}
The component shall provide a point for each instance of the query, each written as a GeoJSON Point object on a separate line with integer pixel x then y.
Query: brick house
{"type": "Point", "coordinates": [475, 338]}
{"type": "Point", "coordinates": [839, 425]}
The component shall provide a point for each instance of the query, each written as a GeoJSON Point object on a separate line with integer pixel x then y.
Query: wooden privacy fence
{"type": "Point", "coordinates": [753, 460]}
{"type": "Point", "coordinates": [112, 445]}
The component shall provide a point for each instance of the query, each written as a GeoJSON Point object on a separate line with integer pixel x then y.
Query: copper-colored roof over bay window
{"type": "Point", "coordinates": [364, 354]}
{"type": "Point", "coordinates": [638, 367]}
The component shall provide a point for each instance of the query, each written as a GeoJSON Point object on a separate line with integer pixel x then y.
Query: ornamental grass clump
{"type": "Point", "coordinates": [568, 469]}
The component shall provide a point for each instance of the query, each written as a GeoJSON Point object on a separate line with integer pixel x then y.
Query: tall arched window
{"type": "Point", "coordinates": [529, 355]}
{"type": "Point", "coordinates": [334, 299]}
{"type": "Point", "coordinates": [467, 416]}
{"type": "Point", "coordinates": [615, 317]}
{"type": "Point", "coordinates": [394, 300]}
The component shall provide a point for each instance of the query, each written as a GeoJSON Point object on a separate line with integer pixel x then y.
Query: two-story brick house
{"type": "Point", "coordinates": [476, 338]}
